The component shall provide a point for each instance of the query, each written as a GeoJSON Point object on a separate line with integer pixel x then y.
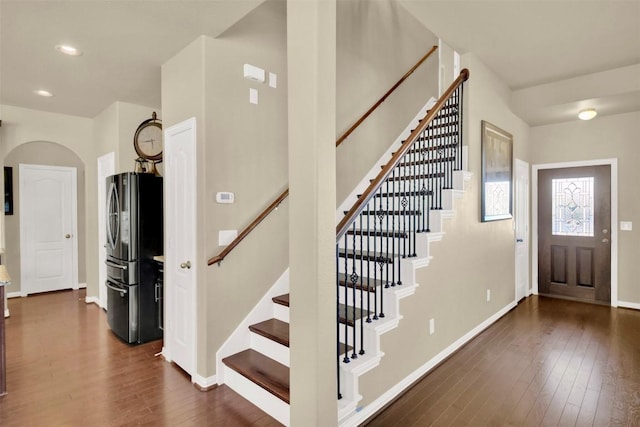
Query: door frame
{"type": "Point", "coordinates": [614, 218]}
{"type": "Point", "coordinates": [24, 291]}
{"type": "Point", "coordinates": [518, 163]}
{"type": "Point", "coordinates": [106, 166]}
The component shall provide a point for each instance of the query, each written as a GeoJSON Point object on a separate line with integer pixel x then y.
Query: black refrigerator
{"type": "Point", "coordinates": [134, 237]}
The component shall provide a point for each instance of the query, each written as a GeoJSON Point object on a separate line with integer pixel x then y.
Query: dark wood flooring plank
{"type": "Point", "coordinates": [66, 368]}
{"type": "Point", "coordinates": [547, 362]}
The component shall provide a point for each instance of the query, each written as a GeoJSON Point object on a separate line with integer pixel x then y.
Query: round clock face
{"type": "Point", "coordinates": [148, 141]}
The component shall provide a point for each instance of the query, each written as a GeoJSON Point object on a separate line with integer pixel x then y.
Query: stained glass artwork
{"type": "Point", "coordinates": [496, 197]}
{"type": "Point", "coordinates": [572, 207]}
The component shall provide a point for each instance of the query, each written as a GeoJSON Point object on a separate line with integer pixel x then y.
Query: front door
{"type": "Point", "coordinates": [574, 232]}
{"type": "Point", "coordinates": [48, 244]}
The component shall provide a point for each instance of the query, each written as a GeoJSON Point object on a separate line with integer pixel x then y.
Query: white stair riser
{"type": "Point", "coordinates": [260, 397]}
{"type": "Point", "coordinates": [281, 312]}
{"type": "Point", "coordinates": [270, 348]}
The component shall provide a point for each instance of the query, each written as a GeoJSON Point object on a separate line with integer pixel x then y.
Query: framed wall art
{"type": "Point", "coordinates": [8, 190]}
{"type": "Point", "coordinates": [497, 173]}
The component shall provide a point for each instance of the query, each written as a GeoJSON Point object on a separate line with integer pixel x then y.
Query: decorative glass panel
{"type": "Point", "coordinates": [496, 197]}
{"type": "Point", "coordinates": [572, 207]}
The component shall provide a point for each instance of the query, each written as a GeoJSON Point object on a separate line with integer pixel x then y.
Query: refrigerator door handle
{"type": "Point", "coordinates": [124, 291]}
{"type": "Point", "coordinates": [114, 265]}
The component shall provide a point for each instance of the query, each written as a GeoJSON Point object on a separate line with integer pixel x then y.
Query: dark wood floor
{"type": "Point", "coordinates": [66, 368]}
{"type": "Point", "coordinates": [548, 362]}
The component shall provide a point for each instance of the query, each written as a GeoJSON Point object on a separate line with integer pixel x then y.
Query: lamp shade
{"type": "Point", "coordinates": [4, 275]}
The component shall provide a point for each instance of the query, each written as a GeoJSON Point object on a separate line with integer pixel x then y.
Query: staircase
{"type": "Point", "coordinates": [382, 239]}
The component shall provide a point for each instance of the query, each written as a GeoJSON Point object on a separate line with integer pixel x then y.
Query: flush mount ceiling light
{"type": "Point", "coordinates": [68, 50]}
{"type": "Point", "coordinates": [587, 114]}
{"type": "Point", "coordinates": [43, 92]}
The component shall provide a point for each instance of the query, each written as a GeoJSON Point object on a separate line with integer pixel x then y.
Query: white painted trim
{"type": "Point", "coordinates": [350, 200]}
{"type": "Point", "coordinates": [260, 397]}
{"type": "Point", "coordinates": [82, 286]}
{"type": "Point", "coordinates": [18, 294]}
{"type": "Point", "coordinates": [614, 218]}
{"type": "Point", "coordinates": [626, 304]}
{"type": "Point", "coordinates": [240, 339]}
{"type": "Point", "coordinates": [6, 312]}
{"type": "Point", "coordinates": [204, 382]}
{"type": "Point", "coordinates": [93, 300]}
{"type": "Point", "coordinates": [369, 410]}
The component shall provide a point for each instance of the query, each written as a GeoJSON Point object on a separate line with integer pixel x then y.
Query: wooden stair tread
{"type": "Point", "coordinates": [378, 233]}
{"type": "Point", "coordinates": [366, 256]}
{"type": "Point", "coordinates": [281, 299]}
{"type": "Point", "coordinates": [346, 314]}
{"type": "Point", "coordinates": [363, 283]}
{"type": "Point", "coordinates": [389, 212]}
{"type": "Point", "coordinates": [273, 329]}
{"type": "Point", "coordinates": [418, 176]}
{"type": "Point", "coordinates": [402, 194]}
{"type": "Point", "coordinates": [265, 372]}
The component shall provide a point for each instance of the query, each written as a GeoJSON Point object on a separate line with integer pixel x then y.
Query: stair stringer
{"type": "Point", "coordinates": [241, 339]}
{"type": "Point", "coordinates": [350, 372]}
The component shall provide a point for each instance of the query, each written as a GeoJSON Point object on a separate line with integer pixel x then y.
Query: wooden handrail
{"type": "Point", "coordinates": [218, 258]}
{"type": "Point", "coordinates": [385, 96]}
{"type": "Point", "coordinates": [361, 203]}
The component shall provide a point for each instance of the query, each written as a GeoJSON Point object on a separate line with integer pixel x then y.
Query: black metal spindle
{"type": "Point", "coordinates": [354, 281]}
{"type": "Point", "coordinates": [346, 298]}
{"type": "Point", "coordinates": [338, 316]}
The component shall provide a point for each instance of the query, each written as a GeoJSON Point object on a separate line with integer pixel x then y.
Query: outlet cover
{"type": "Point", "coordinates": [488, 295]}
{"type": "Point", "coordinates": [432, 326]}
{"type": "Point", "coordinates": [226, 236]}
{"type": "Point", "coordinates": [626, 225]}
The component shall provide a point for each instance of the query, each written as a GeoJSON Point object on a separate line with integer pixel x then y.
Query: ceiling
{"type": "Point", "coordinates": [541, 49]}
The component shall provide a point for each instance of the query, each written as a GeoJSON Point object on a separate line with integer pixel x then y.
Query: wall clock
{"type": "Point", "coordinates": [147, 140]}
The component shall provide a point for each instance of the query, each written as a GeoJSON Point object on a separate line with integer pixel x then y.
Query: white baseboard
{"type": "Point", "coordinates": [205, 382]}
{"type": "Point", "coordinates": [364, 413]}
{"type": "Point", "coordinates": [17, 294]}
{"type": "Point", "coordinates": [82, 285]}
{"type": "Point", "coordinates": [93, 300]}
{"type": "Point", "coordinates": [626, 304]}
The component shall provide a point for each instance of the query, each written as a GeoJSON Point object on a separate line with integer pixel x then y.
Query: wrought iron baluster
{"type": "Point", "coordinates": [338, 319]}
{"type": "Point", "coordinates": [354, 281]}
{"type": "Point", "coordinates": [346, 298]}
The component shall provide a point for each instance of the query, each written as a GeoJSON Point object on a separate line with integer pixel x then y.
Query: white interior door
{"type": "Point", "coordinates": [48, 243]}
{"type": "Point", "coordinates": [106, 167]}
{"type": "Point", "coordinates": [522, 228]}
{"type": "Point", "coordinates": [180, 268]}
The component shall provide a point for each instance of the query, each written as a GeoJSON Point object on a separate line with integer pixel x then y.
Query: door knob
{"type": "Point", "coordinates": [605, 231]}
{"type": "Point", "coordinates": [605, 240]}
{"type": "Point", "coordinates": [519, 240]}
{"type": "Point", "coordinates": [186, 265]}
{"type": "Point", "coordinates": [67, 236]}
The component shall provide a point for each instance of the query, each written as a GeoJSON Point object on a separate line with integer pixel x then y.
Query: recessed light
{"type": "Point", "coordinates": [68, 50]}
{"type": "Point", "coordinates": [587, 114]}
{"type": "Point", "coordinates": [43, 92]}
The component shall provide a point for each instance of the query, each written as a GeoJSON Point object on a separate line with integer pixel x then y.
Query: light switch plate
{"type": "Point", "coordinates": [253, 96]}
{"type": "Point", "coordinates": [226, 236]}
{"type": "Point", "coordinates": [626, 225]}
{"type": "Point", "coordinates": [273, 80]}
